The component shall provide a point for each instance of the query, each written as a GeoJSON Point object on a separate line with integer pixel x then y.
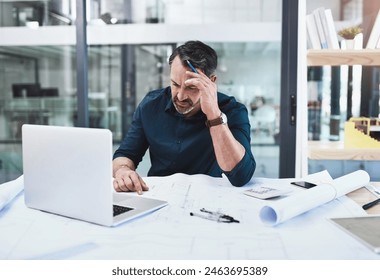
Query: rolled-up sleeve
{"type": "Point", "coordinates": [243, 171]}
{"type": "Point", "coordinates": [134, 144]}
{"type": "Point", "coordinates": [240, 127]}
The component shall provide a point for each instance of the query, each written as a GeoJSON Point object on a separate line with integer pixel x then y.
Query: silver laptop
{"type": "Point", "coordinates": [68, 171]}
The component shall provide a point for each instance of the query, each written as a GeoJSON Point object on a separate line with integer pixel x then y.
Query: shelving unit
{"type": "Point", "coordinates": [331, 155]}
{"type": "Point", "coordinates": [335, 150]}
{"type": "Point", "coordinates": [330, 151]}
{"type": "Point", "coordinates": [367, 57]}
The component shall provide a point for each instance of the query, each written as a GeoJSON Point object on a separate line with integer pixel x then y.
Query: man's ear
{"type": "Point", "coordinates": [213, 78]}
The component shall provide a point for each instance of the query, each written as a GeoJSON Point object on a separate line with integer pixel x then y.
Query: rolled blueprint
{"type": "Point", "coordinates": [9, 190]}
{"type": "Point", "coordinates": [303, 201]}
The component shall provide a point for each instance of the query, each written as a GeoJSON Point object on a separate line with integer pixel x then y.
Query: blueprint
{"type": "Point", "coordinates": [172, 233]}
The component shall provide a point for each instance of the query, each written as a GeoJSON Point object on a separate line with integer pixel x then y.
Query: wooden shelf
{"type": "Point", "coordinates": [343, 57]}
{"type": "Point", "coordinates": [334, 150]}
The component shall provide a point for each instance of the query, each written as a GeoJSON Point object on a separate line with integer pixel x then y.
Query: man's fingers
{"type": "Point", "coordinates": [135, 180]}
{"type": "Point", "coordinates": [143, 185]}
{"type": "Point", "coordinates": [131, 182]}
{"type": "Point", "coordinates": [116, 186]}
{"type": "Point", "coordinates": [123, 185]}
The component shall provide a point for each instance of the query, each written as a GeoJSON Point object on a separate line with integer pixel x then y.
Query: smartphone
{"type": "Point", "coordinates": [304, 184]}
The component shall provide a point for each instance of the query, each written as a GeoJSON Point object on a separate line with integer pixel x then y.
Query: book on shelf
{"type": "Point", "coordinates": [321, 29]}
{"type": "Point", "coordinates": [321, 32]}
{"type": "Point", "coordinates": [312, 32]}
{"type": "Point", "coordinates": [373, 40]}
{"type": "Point", "coordinates": [332, 37]}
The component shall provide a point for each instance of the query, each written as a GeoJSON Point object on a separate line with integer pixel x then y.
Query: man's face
{"type": "Point", "coordinates": [186, 99]}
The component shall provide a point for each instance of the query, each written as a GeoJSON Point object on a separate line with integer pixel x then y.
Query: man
{"type": "Point", "coordinates": [188, 127]}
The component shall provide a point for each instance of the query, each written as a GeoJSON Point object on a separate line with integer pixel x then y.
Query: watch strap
{"type": "Point", "coordinates": [214, 122]}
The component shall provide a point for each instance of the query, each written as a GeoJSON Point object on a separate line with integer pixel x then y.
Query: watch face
{"type": "Point", "coordinates": [224, 118]}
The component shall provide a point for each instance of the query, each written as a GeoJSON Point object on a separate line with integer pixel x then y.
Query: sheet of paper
{"type": "Point", "coordinates": [287, 208]}
{"type": "Point", "coordinates": [9, 190]}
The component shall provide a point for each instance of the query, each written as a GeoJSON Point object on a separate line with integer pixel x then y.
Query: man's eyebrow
{"type": "Point", "coordinates": [174, 82]}
{"type": "Point", "coordinates": [191, 87]}
{"type": "Point", "coordinates": [177, 84]}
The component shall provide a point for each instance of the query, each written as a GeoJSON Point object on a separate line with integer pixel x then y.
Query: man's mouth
{"type": "Point", "coordinates": [183, 104]}
{"type": "Point", "coordinates": [183, 107]}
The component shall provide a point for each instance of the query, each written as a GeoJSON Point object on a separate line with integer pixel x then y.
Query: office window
{"type": "Point", "coordinates": [38, 74]}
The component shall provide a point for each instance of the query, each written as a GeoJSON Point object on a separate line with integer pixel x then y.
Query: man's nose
{"type": "Point", "coordinates": [181, 94]}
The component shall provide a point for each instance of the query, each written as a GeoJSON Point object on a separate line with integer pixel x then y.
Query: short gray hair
{"type": "Point", "coordinates": [199, 54]}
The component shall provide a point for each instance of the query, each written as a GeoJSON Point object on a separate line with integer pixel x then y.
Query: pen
{"type": "Point", "coordinates": [209, 217]}
{"type": "Point", "coordinates": [191, 66]}
{"type": "Point", "coordinates": [215, 216]}
{"type": "Point", "coordinates": [371, 204]}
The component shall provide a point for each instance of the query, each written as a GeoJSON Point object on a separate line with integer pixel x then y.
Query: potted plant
{"type": "Point", "coordinates": [349, 34]}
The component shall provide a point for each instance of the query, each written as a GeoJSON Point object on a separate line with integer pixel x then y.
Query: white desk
{"type": "Point", "coordinates": [171, 233]}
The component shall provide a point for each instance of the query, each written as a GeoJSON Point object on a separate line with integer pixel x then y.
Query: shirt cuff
{"type": "Point", "coordinates": [242, 172]}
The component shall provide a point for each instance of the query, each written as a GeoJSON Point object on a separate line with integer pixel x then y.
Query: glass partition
{"type": "Point", "coordinates": [58, 12]}
{"type": "Point", "coordinates": [38, 80]}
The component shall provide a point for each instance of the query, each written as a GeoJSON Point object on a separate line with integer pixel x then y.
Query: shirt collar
{"type": "Point", "coordinates": [169, 105]}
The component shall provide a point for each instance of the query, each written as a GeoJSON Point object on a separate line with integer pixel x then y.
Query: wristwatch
{"type": "Point", "coordinates": [222, 119]}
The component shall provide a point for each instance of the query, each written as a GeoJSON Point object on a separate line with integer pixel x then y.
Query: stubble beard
{"type": "Point", "coordinates": [185, 111]}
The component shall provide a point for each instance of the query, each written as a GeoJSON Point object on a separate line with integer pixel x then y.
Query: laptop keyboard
{"type": "Point", "coordinates": [117, 210]}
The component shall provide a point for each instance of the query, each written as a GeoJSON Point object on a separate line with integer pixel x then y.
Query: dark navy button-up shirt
{"type": "Point", "coordinates": [183, 145]}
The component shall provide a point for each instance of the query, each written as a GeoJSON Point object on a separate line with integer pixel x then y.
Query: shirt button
{"type": "Point", "coordinates": [178, 141]}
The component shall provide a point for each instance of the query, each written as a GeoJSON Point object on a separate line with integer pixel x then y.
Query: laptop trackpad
{"type": "Point", "coordinates": [132, 200]}
{"type": "Point", "coordinates": [137, 202]}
